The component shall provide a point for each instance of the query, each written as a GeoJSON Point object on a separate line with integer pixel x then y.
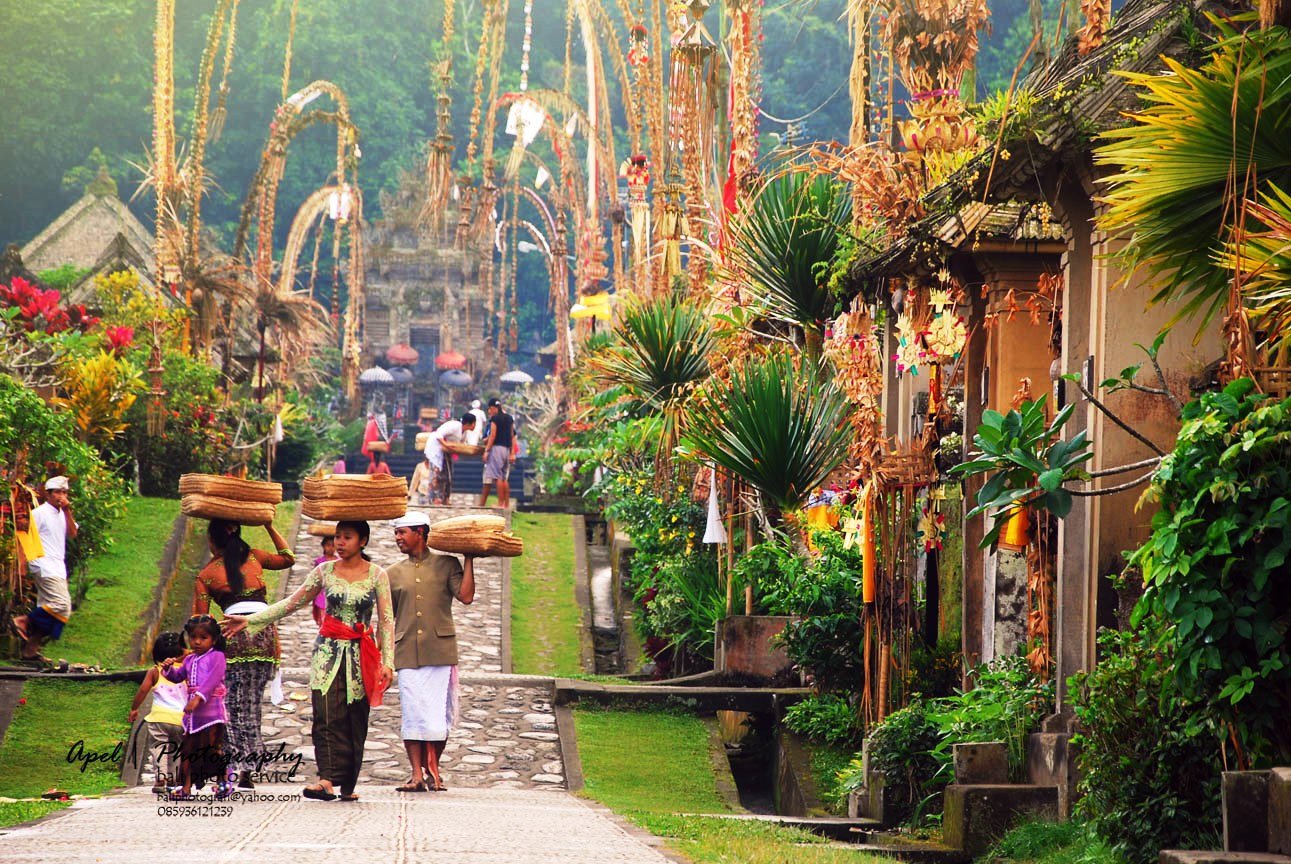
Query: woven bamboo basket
{"type": "Point", "coordinates": [378, 447]}
{"type": "Point", "coordinates": [213, 507]}
{"type": "Point", "coordinates": [322, 529]}
{"type": "Point", "coordinates": [354, 509]}
{"type": "Point", "coordinates": [470, 524]}
{"type": "Point", "coordinates": [423, 438]}
{"type": "Point", "coordinates": [230, 488]}
{"type": "Point", "coordinates": [461, 448]}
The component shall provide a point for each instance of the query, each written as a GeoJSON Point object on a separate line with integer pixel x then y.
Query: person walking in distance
{"type": "Point", "coordinates": [54, 523]}
{"type": "Point", "coordinates": [423, 588]}
{"type": "Point", "coordinates": [499, 455]}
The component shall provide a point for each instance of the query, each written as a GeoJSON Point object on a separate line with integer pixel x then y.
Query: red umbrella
{"type": "Point", "coordinates": [402, 355]}
{"type": "Point", "coordinates": [450, 360]}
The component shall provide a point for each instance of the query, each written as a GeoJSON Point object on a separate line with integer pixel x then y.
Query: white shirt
{"type": "Point", "coordinates": [450, 430]}
{"type": "Point", "coordinates": [473, 437]}
{"type": "Point", "coordinates": [52, 525]}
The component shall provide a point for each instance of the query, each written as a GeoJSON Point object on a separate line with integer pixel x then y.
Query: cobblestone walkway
{"type": "Point", "coordinates": [506, 735]}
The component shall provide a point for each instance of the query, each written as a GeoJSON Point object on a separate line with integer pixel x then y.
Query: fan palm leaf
{"type": "Point", "coordinates": [1264, 254]}
{"type": "Point", "coordinates": [781, 242]}
{"type": "Point", "coordinates": [779, 425]}
{"type": "Point", "coordinates": [1207, 138]}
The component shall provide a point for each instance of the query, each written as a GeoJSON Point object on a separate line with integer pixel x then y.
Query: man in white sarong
{"type": "Point", "coordinates": [423, 587]}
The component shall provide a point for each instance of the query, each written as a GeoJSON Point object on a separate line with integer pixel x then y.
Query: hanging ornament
{"type": "Point", "coordinates": [931, 530]}
{"type": "Point", "coordinates": [946, 336]}
{"type": "Point", "coordinates": [636, 170]}
{"type": "Point", "coordinates": [909, 353]}
{"type": "Point", "coordinates": [714, 530]}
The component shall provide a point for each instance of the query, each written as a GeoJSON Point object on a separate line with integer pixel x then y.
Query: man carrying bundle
{"type": "Point", "coordinates": [441, 469]}
{"type": "Point", "coordinates": [423, 588]}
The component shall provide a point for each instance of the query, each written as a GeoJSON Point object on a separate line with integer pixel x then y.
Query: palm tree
{"type": "Point", "coordinates": [782, 242]}
{"type": "Point", "coordinates": [780, 425]}
{"type": "Point", "coordinates": [1209, 139]}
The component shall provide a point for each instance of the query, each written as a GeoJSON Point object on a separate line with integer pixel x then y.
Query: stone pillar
{"type": "Point", "coordinates": [1076, 588]}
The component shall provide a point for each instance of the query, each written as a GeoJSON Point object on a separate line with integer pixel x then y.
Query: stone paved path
{"type": "Point", "coordinates": [506, 735]}
{"type": "Point", "coordinates": [504, 804]}
{"type": "Point", "coordinates": [464, 826]}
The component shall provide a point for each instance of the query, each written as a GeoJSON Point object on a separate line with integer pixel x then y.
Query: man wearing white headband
{"type": "Point", "coordinates": [423, 588]}
{"type": "Point", "coordinates": [53, 520]}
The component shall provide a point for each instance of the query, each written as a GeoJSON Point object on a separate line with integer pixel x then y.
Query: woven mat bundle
{"type": "Point", "coordinates": [213, 496]}
{"type": "Point", "coordinates": [213, 507]}
{"type": "Point", "coordinates": [378, 447]}
{"type": "Point", "coordinates": [231, 488]}
{"type": "Point", "coordinates": [322, 529]}
{"type": "Point", "coordinates": [479, 536]}
{"type": "Point", "coordinates": [423, 438]}
{"type": "Point", "coordinates": [354, 497]}
{"type": "Point", "coordinates": [461, 448]}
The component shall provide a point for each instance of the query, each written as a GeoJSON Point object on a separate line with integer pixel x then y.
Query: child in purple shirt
{"type": "Point", "coordinates": [202, 752]}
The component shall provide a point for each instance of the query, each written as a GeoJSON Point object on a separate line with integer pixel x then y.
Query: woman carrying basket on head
{"type": "Point", "coordinates": [349, 672]}
{"type": "Point", "coordinates": [234, 579]}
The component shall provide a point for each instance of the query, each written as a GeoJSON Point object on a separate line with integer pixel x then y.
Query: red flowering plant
{"type": "Point", "coordinates": [120, 339]}
{"type": "Point", "coordinates": [39, 309]}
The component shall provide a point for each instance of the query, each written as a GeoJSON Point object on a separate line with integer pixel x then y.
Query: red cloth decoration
{"type": "Point", "coordinates": [369, 653]}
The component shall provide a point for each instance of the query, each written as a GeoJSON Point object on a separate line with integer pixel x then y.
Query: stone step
{"type": "Point", "coordinates": [1178, 856]}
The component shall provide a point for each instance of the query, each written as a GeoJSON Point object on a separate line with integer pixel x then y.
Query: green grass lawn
{"type": "Point", "coordinates": [1042, 842]}
{"type": "Point", "coordinates": [545, 616]}
{"type": "Point", "coordinates": [17, 812]}
{"type": "Point", "coordinates": [651, 765]}
{"type": "Point", "coordinates": [53, 718]}
{"type": "Point", "coordinates": [123, 581]}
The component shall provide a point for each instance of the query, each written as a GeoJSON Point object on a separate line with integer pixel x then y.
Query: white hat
{"type": "Point", "coordinates": [56, 483]}
{"type": "Point", "coordinates": [475, 403]}
{"type": "Point", "coordinates": [415, 519]}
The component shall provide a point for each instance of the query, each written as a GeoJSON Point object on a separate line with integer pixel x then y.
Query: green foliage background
{"type": "Point", "coordinates": [78, 76]}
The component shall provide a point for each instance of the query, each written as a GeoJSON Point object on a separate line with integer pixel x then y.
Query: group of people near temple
{"type": "Point", "coordinates": [432, 481]}
{"type": "Point", "coordinates": [375, 623]}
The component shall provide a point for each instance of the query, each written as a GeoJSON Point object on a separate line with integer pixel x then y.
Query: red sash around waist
{"type": "Point", "coordinates": [369, 654]}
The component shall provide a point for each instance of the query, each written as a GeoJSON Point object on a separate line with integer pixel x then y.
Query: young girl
{"type": "Point", "coordinates": [202, 752]}
{"type": "Point", "coordinates": [350, 670]}
{"type": "Point", "coordinates": [167, 714]}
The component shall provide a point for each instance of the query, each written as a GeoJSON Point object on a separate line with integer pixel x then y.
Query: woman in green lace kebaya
{"type": "Point", "coordinates": [348, 673]}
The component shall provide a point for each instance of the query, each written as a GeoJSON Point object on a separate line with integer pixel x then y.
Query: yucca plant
{"type": "Point", "coordinates": [779, 425]}
{"type": "Point", "coordinates": [1208, 137]}
{"type": "Point", "coordinates": [658, 352]}
{"type": "Point", "coordinates": [784, 241]}
{"type": "Point", "coordinates": [657, 356]}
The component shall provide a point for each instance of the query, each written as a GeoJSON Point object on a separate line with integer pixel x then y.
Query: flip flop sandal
{"type": "Point", "coordinates": [349, 797]}
{"type": "Point", "coordinates": [419, 786]}
{"type": "Point", "coordinates": [438, 787]}
{"type": "Point", "coordinates": [18, 631]}
{"type": "Point", "coordinates": [317, 793]}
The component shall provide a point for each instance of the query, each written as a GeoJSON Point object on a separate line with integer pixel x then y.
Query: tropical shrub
{"type": "Point", "coordinates": [1149, 757]}
{"type": "Point", "coordinates": [672, 575]}
{"type": "Point", "coordinates": [825, 638]}
{"type": "Point", "coordinates": [1172, 167]}
{"type": "Point", "coordinates": [98, 391]}
{"type": "Point", "coordinates": [826, 717]}
{"type": "Point", "coordinates": [197, 433]}
{"type": "Point", "coordinates": [1005, 703]}
{"type": "Point", "coordinates": [901, 750]}
{"type": "Point", "coordinates": [775, 571]}
{"type": "Point", "coordinates": [1215, 565]}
